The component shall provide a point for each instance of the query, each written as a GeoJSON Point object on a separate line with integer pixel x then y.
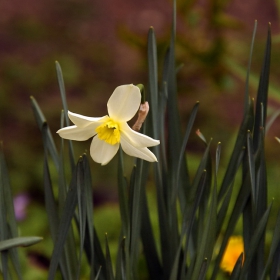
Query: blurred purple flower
{"type": "Point", "coordinates": [20, 203]}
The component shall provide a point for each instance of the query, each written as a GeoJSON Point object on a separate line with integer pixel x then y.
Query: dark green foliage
{"type": "Point", "coordinates": [195, 219]}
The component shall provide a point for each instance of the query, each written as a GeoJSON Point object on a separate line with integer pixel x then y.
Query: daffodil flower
{"type": "Point", "coordinates": [112, 130]}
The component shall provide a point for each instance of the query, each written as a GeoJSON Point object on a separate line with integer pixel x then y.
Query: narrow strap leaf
{"type": "Point", "coordinates": [19, 242]}
{"type": "Point", "coordinates": [254, 243]}
{"type": "Point", "coordinates": [246, 96]}
{"type": "Point", "coordinates": [48, 141]}
{"type": "Point", "coordinates": [237, 268]}
{"type": "Point", "coordinates": [67, 215]}
{"type": "Point", "coordinates": [65, 108]}
{"type": "Point", "coordinates": [261, 102]}
{"type": "Point", "coordinates": [109, 268]}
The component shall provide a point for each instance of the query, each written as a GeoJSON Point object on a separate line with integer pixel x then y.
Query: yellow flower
{"type": "Point", "coordinates": [111, 131]}
{"type": "Point", "coordinates": [234, 248]}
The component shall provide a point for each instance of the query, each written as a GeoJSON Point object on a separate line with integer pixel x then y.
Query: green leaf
{"type": "Point", "coordinates": [65, 108]}
{"type": "Point", "coordinates": [123, 197]}
{"type": "Point", "coordinates": [246, 97]}
{"type": "Point", "coordinates": [19, 242]}
{"type": "Point", "coordinates": [148, 241]}
{"type": "Point", "coordinates": [251, 162]}
{"type": "Point", "coordinates": [275, 264]}
{"type": "Point", "coordinates": [182, 152]}
{"type": "Point", "coordinates": [98, 273]}
{"type": "Point", "coordinates": [237, 268]}
{"type": "Point", "coordinates": [82, 212]}
{"type": "Point", "coordinates": [48, 141]}
{"type": "Point", "coordinates": [99, 258]}
{"type": "Point", "coordinates": [207, 242]}
{"type": "Point", "coordinates": [256, 238]}
{"type": "Point", "coordinates": [261, 102]}
{"type": "Point", "coordinates": [52, 211]}
{"type": "Point", "coordinates": [247, 124]}
{"type": "Point", "coordinates": [203, 269]}
{"type": "Point", "coordinates": [153, 84]}
{"type": "Point", "coordinates": [240, 202]}
{"type": "Point", "coordinates": [109, 268]}
{"type": "Point", "coordinates": [65, 221]}
{"type": "Point", "coordinates": [89, 232]}
{"type": "Point", "coordinates": [275, 243]}
{"type": "Point", "coordinates": [121, 272]}
{"type": "Point", "coordinates": [187, 226]}
{"type": "Point", "coordinates": [8, 226]}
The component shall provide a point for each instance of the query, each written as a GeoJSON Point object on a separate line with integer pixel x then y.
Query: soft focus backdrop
{"type": "Point", "coordinates": [102, 44]}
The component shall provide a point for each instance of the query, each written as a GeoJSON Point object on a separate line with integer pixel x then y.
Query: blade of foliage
{"type": "Point", "coordinates": [246, 97]}
{"type": "Point", "coordinates": [187, 224]}
{"type": "Point", "coordinates": [99, 258]}
{"type": "Point", "coordinates": [52, 211]}
{"type": "Point", "coordinates": [135, 216]}
{"type": "Point", "coordinates": [251, 162]}
{"type": "Point", "coordinates": [67, 215]}
{"type": "Point", "coordinates": [41, 121]}
{"type": "Point", "coordinates": [98, 273]}
{"type": "Point", "coordinates": [125, 218]}
{"type": "Point", "coordinates": [19, 242]}
{"type": "Point", "coordinates": [149, 245]}
{"type": "Point", "coordinates": [168, 237]}
{"type": "Point", "coordinates": [141, 176]}
{"type": "Point", "coordinates": [82, 212]}
{"type": "Point", "coordinates": [174, 135]}
{"type": "Point", "coordinates": [275, 243]}
{"type": "Point", "coordinates": [237, 268]}
{"type": "Point", "coordinates": [8, 226]}
{"type": "Point", "coordinates": [109, 267]}
{"type": "Point", "coordinates": [62, 91]}
{"type": "Point", "coordinates": [153, 83]}
{"type": "Point", "coordinates": [62, 185]}
{"type": "Point", "coordinates": [182, 152]}
{"type": "Point", "coordinates": [206, 244]}
{"type": "Point", "coordinates": [200, 170]}
{"type": "Point", "coordinates": [69, 253]}
{"type": "Point", "coordinates": [203, 207]}
{"type": "Point", "coordinates": [65, 108]}
{"type": "Point", "coordinates": [240, 202]}
{"type": "Point", "coordinates": [203, 269]}
{"type": "Point", "coordinates": [89, 232]}
{"type": "Point", "coordinates": [258, 234]}
{"type": "Point", "coordinates": [163, 191]}
{"type": "Point", "coordinates": [122, 194]}
{"type": "Point", "coordinates": [225, 203]}
{"type": "Point", "coordinates": [3, 210]}
{"type": "Point", "coordinates": [121, 273]}
{"type": "Point", "coordinates": [275, 264]}
{"type": "Point", "coordinates": [247, 124]}
{"type": "Point", "coordinates": [261, 190]}
{"type": "Point", "coordinates": [161, 124]}
{"type": "Point", "coordinates": [261, 102]}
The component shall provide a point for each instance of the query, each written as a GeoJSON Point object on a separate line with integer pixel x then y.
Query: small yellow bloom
{"type": "Point", "coordinates": [112, 131]}
{"type": "Point", "coordinates": [234, 248]}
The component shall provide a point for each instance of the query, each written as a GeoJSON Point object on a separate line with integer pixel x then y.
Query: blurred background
{"type": "Point", "coordinates": [101, 45]}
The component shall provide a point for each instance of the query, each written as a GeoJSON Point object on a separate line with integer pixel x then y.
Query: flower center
{"type": "Point", "coordinates": [109, 131]}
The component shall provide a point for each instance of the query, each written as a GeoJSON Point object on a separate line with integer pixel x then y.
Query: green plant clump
{"type": "Point", "coordinates": [196, 218]}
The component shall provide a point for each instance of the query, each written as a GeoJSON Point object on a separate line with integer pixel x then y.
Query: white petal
{"type": "Point", "coordinates": [137, 139]}
{"type": "Point", "coordinates": [81, 120]}
{"type": "Point", "coordinates": [77, 133]}
{"type": "Point", "coordinates": [124, 103]}
{"type": "Point", "coordinates": [139, 152]}
{"type": "Point", "coordinates": [101, 151]}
